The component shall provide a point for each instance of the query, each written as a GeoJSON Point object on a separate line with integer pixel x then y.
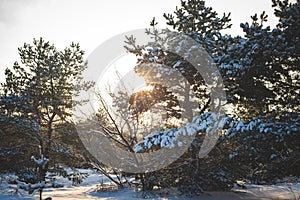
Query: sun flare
{"type": "Point", "coordinates": [147, 88]}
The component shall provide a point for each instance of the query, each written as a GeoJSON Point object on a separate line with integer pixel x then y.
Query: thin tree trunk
{"type": "Point", "coordinates": [41, 191]}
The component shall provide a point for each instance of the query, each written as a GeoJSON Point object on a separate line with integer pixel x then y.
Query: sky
{"type": "Point", "coordinates": [91, 22]}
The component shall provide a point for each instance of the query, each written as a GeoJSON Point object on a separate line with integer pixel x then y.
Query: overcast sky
{"type": "Point", "coordinates": [91, 22]}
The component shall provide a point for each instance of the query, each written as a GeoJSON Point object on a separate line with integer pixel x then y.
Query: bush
{"type": "Point", "coordinates": [261, 150]}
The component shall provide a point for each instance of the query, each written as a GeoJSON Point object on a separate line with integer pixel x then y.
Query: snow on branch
{"type": "Point", "coordinates": [168, 138]}
{"type": "Point", "coordinates": [208, 121]}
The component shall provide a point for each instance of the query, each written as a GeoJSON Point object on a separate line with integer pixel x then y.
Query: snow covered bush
{"type": "Point", "coordinates": [265, 148]}
{"type": "Point", "coordinates": [261, 150]}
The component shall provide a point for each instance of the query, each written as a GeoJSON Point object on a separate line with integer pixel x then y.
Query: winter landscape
{"type": "Point", "coordinates": [89, 189]}
{"type": "Point", "coordinates": [186, 108]}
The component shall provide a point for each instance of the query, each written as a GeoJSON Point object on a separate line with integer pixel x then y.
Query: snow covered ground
{"type": "Point", "coordinates": [278, 191]}
{"type": "Point", "coordinates": [86, 190]}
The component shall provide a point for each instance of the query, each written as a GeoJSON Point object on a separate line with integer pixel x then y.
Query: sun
{"type": "Point", "coordinates": [147, 88]}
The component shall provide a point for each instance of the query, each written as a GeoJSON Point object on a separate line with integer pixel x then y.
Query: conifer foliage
{"type": "Point", "coordinates": [37, 98]}
{"type": "Point", "coordinates": [260, 71]}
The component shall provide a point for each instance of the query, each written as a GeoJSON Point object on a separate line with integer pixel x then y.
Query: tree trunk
{"type": "Point", "coordinates": [41, 191]}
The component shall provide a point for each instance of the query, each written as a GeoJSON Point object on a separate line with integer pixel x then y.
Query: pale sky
{"type": "Point", "coordinates": [91, 22]}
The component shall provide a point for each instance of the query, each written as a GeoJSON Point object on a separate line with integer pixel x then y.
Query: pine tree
{"type": "Point", "coordinates": [260, 71]}
{"type": "Point", "coordinates": [39, 91]}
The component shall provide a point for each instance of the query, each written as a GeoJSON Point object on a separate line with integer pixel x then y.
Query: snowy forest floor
{"type": "Point", "coordinates": [87, 190]}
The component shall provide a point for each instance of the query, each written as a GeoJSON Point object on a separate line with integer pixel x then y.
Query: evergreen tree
{"type": "Point", "coordinates": [39, 91]}
{"type": "Point", "coordinates": [260, 71]}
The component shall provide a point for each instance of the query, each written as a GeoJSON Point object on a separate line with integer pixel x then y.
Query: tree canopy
{"type": "Point", "coordinates": [36, 101]}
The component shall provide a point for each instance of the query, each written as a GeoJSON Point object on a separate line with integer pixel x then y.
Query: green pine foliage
{"type": "Point", "coordinates": [260, 71]}
{"type": "Point", "coordinates": [36, 105]}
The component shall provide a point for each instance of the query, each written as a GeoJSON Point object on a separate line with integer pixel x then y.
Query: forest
{"type": "Point", "coordinates": [217, 111]}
